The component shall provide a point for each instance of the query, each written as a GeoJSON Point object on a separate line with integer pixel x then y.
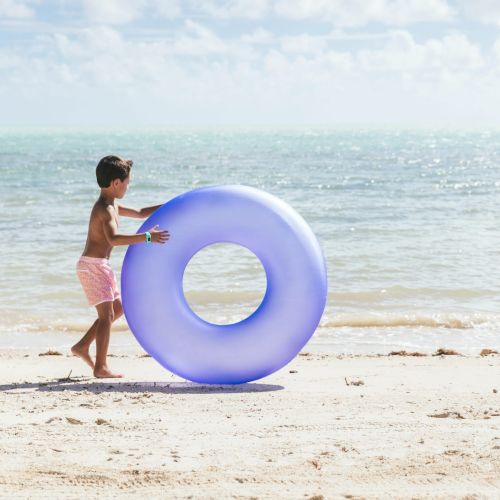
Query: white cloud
{"type": "Point", "coordinates": [90, 42]}
{"type": "Point", "coordinates": [198, 40]}
{"type": "Point", "coordinates": [169, 9]}
{"type": "Point", "coordinates": [485, 11]}
{"type": "Point", "coordinates": [101, 55]}
{"type": "Point", "coordinates": [113, 11]}
{"type": "Point", "coordinates": [258, 37]}
{"type": "Point", "coordinates": [102, 58]}
{"type": "Point", "coordinates": [430, 59]}
{"type": "Point", "coordinates": [404, 12]}
{"type": "Point", "coordinates": [247, 9]}
{"type": "Point", "coordinates": [198, 73]}
{"type": "Point", "coordinates": [9, 62]}
{"type": "Point", "coordinates": [361, 12]}
{"type": "Point", "coordinates": [326, 68]}
{"type": "Point", "coordinates": [15, 9]}
{"type": "Point", "coordinates": [305, 44]}
{"type": "Point", "coordinates": [496, 49]}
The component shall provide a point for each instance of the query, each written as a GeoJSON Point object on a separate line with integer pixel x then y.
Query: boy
{"type": "Point", "coordinates": [93, 269]}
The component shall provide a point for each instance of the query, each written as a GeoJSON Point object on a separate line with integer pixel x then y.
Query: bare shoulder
{"type": "Point", "coordinates": [102, 211]}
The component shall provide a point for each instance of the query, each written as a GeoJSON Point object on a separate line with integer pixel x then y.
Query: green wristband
{"type": "Point", "coordinates": [148, 237]}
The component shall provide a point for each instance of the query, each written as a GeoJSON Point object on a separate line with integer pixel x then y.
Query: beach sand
{"type": "Point", "coordinates": [324, 426]}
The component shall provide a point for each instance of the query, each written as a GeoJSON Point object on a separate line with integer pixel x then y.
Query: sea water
{"type": "Point", "coordinates": [408, 221]}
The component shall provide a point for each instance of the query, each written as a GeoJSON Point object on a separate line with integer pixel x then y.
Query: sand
{"type": "Point", "coordinates": [325, 426]}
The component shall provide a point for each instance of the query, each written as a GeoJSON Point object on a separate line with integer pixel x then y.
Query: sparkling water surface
{"type": "Point", "coordinates": [408, 222]}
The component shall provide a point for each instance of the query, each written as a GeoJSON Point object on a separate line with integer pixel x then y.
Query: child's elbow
{"type": "Point", "coordinates": [112, 240]}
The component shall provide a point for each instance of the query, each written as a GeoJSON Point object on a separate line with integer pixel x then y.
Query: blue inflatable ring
{"type": "Point", "coordinates": [167, 328]}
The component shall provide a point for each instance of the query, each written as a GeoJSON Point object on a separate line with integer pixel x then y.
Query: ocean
{"type": "Point", "coordinates": [408, 221]}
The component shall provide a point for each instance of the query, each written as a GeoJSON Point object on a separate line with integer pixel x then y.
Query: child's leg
{"type": "Point", "coordinates": [117, 309]}
{"type": "Point", "coordinates": [81, 348]}
{"type": "Point", "coordinates": [105, 314]}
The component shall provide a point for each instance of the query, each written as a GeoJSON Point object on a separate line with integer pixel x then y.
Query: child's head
{"type": "Point", "coordinates": [113, 173]}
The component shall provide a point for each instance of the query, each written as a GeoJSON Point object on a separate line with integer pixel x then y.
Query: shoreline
{"type": "Point", "coordinates": [345, 426]}
{"type": "Point", "coordinates": [373, 344]}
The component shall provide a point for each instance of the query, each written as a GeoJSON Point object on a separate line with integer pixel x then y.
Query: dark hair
{"type": "Point", "coordinates": [111, 168]}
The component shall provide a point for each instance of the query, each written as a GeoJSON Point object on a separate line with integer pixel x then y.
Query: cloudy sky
{"type": "Point", "coordinates": [250, 62]}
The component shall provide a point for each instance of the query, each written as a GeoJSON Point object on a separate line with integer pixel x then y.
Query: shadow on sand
{"type": "Point", "coordinates": [88, 384]}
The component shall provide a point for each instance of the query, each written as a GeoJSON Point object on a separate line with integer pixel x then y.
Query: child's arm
{"type": "Point", "coordinates": [137, 213]}
{"type": "Point", "coordinates": [111, 232]}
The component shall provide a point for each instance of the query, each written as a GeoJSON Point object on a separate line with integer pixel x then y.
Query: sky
{"type": "Point", "coordinates": [141, 63]}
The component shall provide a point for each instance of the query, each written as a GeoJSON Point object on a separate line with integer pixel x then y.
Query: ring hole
{"type": "Point", "coordinates": [224, 283]}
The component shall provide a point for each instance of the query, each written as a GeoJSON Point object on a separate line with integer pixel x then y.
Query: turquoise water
{"type": "Point", "coordinates": [408, 222]}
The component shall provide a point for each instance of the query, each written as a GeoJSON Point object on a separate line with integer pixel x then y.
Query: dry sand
{"type": "Point", "coordinates": [322, 427]}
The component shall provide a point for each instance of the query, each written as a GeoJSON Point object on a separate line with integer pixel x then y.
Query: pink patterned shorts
{"type": "Point", "coordinates": [97, 279]}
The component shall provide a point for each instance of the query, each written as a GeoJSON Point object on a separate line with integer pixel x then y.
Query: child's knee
{"type": "Point", "coordinates": [106, 313]}
{"type": "Point", "coordinates": [106, 319]}
{"type": "Point", "coordinates": [117, 310]}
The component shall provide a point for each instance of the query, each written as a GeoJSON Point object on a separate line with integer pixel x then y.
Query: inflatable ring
{"type": "Point", "coordinates": [167, 328]}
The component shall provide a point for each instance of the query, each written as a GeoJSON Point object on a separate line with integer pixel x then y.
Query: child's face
{"type": "Point", "coordinates": [121, 187]}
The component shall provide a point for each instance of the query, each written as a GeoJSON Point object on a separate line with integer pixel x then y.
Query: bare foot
{"type": "Point", "coordinates": [83, 353]}
{"type": "Point", "coordinates": [106, 373]}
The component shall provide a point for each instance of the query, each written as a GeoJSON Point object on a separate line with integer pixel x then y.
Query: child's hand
{"type": "Point", "coordinates": [159, 236]}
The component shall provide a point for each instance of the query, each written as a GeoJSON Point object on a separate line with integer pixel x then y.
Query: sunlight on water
{"type": "Point", "coordinates": [408, 222]}
{"type": "Point", "coordinates": [226, 276]}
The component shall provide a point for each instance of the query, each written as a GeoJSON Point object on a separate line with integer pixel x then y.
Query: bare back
{"type": "Point", "coordinates": [97, 244]}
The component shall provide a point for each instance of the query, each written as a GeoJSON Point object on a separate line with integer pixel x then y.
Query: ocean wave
{"type": "Point", "coordinates": [400, 292]}
{"type": "Point", "coordinates": [205, 297]}
{"type": "Point", "coordinates": [229, 296]}
{"type": "Point", "coordinates": [44, 327]}
{"type": "Point", "coordinates": [343, 320]}
{"type": "Point", "coordinates": [391, 320]}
